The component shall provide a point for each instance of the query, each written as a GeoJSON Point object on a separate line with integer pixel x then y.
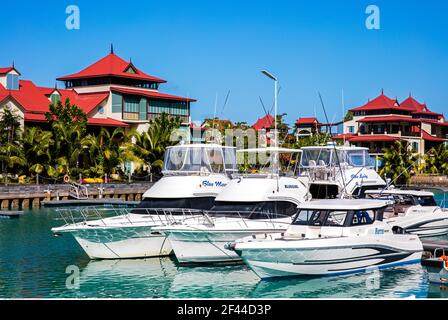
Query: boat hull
{"type": "Point", "coordinates": [423, 227]}
{"type": "Point", "coordinates": [122, 243]}
{"type": "Point", "coordinates": [206, 247]}
{"type": "Point", "coordinates": [327, 257]}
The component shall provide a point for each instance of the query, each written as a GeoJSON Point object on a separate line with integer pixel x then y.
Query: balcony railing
{"type": "Point", "coordinates": [183, 119]}
{"type": "Point", "coordinates": [135, 116]}
{"type": "Point", "coordinates": [399, 133]}
{"type": "Point", "coordinates": [130, 116]}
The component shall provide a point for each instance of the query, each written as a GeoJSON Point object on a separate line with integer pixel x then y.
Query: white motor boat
{"type": "Point", "coordinates": [250, 204]}
{"type": "Point", "coordinates": [338, 171]}
{"type": "Point", "coordinates": [193, 175]}
{"type": "Point", "coordinates": [414, 211]}
{"type": "Point", "coordinates": [330, 237]}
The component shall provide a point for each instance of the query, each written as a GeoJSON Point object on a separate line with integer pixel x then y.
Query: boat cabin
{"type": "Point", "coordinates": [339, 213]}
{"type": "Point", "coordinates": [323, 165]}
{"type": "Point", "coordinates": [199, 159]}
{"type": "Point", "coordinates": [254, 210]}
{"type": "Point", "coordinates": [402, 200]}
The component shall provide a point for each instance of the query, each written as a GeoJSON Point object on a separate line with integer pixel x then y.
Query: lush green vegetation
{"type": "Point", "coordinates": [64, 146]}
{"type": "Point", "coordinates": [400, 164]}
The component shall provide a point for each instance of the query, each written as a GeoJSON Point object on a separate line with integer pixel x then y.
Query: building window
{"type": "Point", "coordinates": [415, 147]}
{"type": "Point", "coordinates": [12, 82]}
{"type": "Point", "coordinates": [173, 108]}
{"type": "Point", "coordinates": [55, 98]}
{"type": "Point", "coordinates": [351, 129]}
{"type": "Point", "coordinates": [131, 108]}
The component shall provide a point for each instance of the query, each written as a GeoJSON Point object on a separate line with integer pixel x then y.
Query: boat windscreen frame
{"type": "Point", "coordinates": [350, 215]}
{"type": "Point", "coordinates": [199, 158]}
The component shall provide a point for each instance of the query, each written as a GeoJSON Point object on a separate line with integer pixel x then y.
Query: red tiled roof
{"type": "Point", "coordinates": [106, 122]}
{"type": "Point", "coordinates": [444, 124]}
{"type": "Point", "coordinates": [346, 136]}
{"type": "Point", "coordinates": [35, 117]}
{"type": "Point", "coordinates": [373, 137]}
{"type": "Point", "coordinates": [151, 94]}
{"type": "Point", "coordinates": [379, 103]}
{"type": "Point", "coordinates": [86, 101]}
{"type": "Point", "coordinates": [28, 96]}
{"type": "Point", "coordinates": [426, 136]}
{"type": "Point", "coordinates": [302, 121]}
{"type": "Point", "coordinates": [389, 119]}
{"type": "Point", "coordinates": [7, 70]}
{"type": "Point", "coordinates": [413, 104]}
{"type": "Point", "coordinates": [428, 113]}
{"type": "Point", "coordinates": [264, 123]}
{"type": "Point", "coordinates": [111, 65]}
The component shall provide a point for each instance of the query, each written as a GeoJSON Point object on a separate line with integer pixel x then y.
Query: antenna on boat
{"type": "Point", "coordinates": [225, 102]}
{"type": "Point", "coordinates": [343, 113]}
{"type": "Point", "coordinates": [334, 145]}
{"type": "Point", "coordinates": [275, 167]}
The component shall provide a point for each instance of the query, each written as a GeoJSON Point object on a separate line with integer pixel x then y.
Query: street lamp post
{"type": "Point", "coordinates": [271, 76]}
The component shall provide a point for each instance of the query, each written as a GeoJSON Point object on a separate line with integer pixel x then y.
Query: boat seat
{"type": "Point", "coordinates": [400, 210]}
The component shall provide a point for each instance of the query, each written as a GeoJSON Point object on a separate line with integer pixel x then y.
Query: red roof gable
{"type": "Point", "coordinates": [379, 103]}
{"type": "Point", "coordinates": [414, 105]}
{"type": "Point", "coordinates": [7, 70]}
{"type": "Point", "coordinates": [302, 121]}
{"type": "Point", "coordinates": [264, 123]}
{"type": "Point", "coordinates": [151, 94]}
{"type": "Point", "coordinates": [28, 96]}
{"type": "Point", "coordinates": [111, 65]}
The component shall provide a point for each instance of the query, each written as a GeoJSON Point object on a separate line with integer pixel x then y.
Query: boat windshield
{"type": "Point", "coordinates": [325, 157]}
{"type": "Point", "coordinates": [316, 157]}
{"type": "Point", "coordinates": [355, 158]}
{"type": "Point", "coordinates": [255, 210]}
{"type": "Point", "coordinates": [334, 218]}
{"type": "Point", "coordinates": [426, 201]}
{"type": "Point", "coordinates": [199, 160]}
{"type": "Point", "coordinates": [406, 199]}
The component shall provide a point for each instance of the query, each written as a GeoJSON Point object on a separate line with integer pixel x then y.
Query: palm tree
{"type": "Point", "coordinates": [104, 151]}
{"type": "Point", "coordinates": [37, 145]}
{"type": "Point", "coordinates": [150, 146]}
{"type": "Point", "coordinates": [11, 152]}
{"type": "Point", "coordinates": [436, 161]}
{"type": "Point", "coordinates": [399, 163]}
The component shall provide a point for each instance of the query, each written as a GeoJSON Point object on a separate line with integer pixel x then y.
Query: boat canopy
{"type": "Point", "coordinates": [326, 156]}
{"type": "Point", "coordinates": [269, 150]}
{"type": "Point", "coordinates": [199, 159]}
{"type": "Point", "coordinates": [344, 204]}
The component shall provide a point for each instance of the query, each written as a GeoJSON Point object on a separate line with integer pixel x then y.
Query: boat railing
{"type": "Point", "coordinates": [163, 216]}
{"type": "Point", "coordinates": [242, 216]}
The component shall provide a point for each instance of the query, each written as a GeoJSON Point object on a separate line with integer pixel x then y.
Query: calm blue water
{"type": "Point", "coordinates": [33, 265]}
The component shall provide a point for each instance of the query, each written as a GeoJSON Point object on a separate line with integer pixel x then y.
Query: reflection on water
{"type": "Point", "coordinates": [33, 265]}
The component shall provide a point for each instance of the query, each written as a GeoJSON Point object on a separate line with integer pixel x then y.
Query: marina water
{"type": "Point", "coordinates": [34, 264]}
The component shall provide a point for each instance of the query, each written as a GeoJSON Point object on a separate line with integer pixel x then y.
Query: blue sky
{"type": "Point", "coordinates": [204, 48]}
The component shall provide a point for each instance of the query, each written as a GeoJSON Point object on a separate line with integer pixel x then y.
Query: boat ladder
{"type": "Point", "coordinates": [78, 191]}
